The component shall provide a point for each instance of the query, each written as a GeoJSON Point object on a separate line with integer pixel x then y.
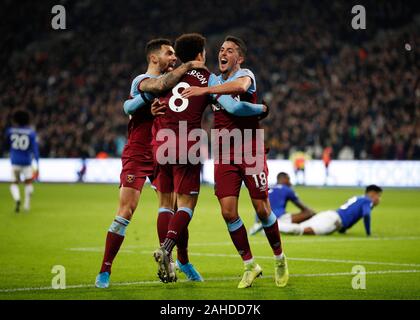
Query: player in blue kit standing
{"type": "Point", "coordinates": [342, 219]}
{"type": "Point", "coordinates": [279, 195]}
{"type": "Point", "coordinates": [22, 142]}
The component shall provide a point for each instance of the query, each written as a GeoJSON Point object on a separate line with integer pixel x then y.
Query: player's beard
{"type": "Point", "coordinates": [165, 67]}
{"type": "Point", "coordinates": [170, 67]}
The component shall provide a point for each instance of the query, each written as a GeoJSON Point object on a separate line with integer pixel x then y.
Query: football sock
{"type": "Point", "coordinates": [14, 190]}
{"type": "Point", "coordinates": [239, 238]}
{"type": "Point", "coordinates": [114, 239]}
{"type": "Point", "coordinates": [177, 225]}
{"type": "Point", "coordinates": [29, 188]}
{"type": "Point", "coordinates": [272, 233]}
{"type": "Point", "coordinates": [169, 244]}
{"type": "Point", "coordinates": [182, 247]}
{"type": "Point", "coordinates": [279, 257]}
{"type": "Point", "coordinates": [164, 216]}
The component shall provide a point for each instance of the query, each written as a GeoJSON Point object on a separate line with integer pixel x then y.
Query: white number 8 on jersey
{"type": "Point", "coordinates": [176, 95]}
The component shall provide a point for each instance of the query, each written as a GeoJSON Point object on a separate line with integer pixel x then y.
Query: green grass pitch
{"type": "Point", "coordinates": [68, 223]}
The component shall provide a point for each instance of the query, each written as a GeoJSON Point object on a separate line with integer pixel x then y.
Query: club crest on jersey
{"type": "Point", "coordinates": [131, 178]}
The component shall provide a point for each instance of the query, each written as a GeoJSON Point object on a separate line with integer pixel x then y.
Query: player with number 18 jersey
{"type": "Point", "coordinates": [251, 168]}
{"type": "Point", "coordinates": [228, 177]}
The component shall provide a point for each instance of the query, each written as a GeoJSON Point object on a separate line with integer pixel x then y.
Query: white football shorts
{"type": "Point", "coordinates": [285, 218]}
{"type": "Point", "coordinates": [324, 222]}
{"type": "Point", "coordinates": [25, 171]}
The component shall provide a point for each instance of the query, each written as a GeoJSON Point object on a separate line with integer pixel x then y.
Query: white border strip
{"type": "Point", "coordinates": [121, 284]}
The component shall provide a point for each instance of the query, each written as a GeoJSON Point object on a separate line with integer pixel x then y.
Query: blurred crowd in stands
{"type": "Point", "coordinates": [328, 85]}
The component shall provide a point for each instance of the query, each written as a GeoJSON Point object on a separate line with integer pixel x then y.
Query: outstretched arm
{"type": "Point", "coordinates": [35, 152]}
{"type": "Point", "coordinates": [240, 108]}
{"type": "Point", "coordinates": [366, 218]}
{"type": "Point", "coordinates": [237, 86]}
{"type": "Point", "coordinates": [292, 196]}
{"type": "Point", "coordinates": [366, 221]}
{"type": "Point", "coordinates": [302, 206]}
{"type": "Point", "coordinates": [170, 79]}
{"type": "Point", "coordinates": [35, 148]}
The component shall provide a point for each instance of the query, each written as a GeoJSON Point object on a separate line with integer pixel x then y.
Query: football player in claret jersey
{"type": "Point", "coordinates": [137, 158]}
{"type": "Point", "coordinates": [22, 140]}
{"type": "Point", "coordinates": [229, 176]}
{"type": "Point", "coordinates": [279, 195]}
{"type": "Point", "coordinates": [183, 177]}
{"type": "Point", "coordinates": [342, 219]}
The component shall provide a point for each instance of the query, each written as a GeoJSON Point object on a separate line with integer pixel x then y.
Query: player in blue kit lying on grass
{"type": "Point", "coordinates": [342, 219]}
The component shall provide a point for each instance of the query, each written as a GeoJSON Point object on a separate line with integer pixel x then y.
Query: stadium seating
{"type": "Point", "coordinates": [328, 85]}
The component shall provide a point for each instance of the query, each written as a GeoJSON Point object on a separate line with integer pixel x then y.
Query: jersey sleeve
{"type": "Point", "coordinates": [135, 85]}
{"type": "Point", "coordinates": [237, 108]}
{"type": "Point", "coordinates": [34, 146]}
{"type": "Point", "coordinates": [273, 195]}
{"type": "Point", "coordinates": [132, 105]}
{"type": "Point", "coordinates": [247, 73]}
{"type": "Point", "coordinates": [366, 217]}
{"type": "Point", "coordinates": [291, 195]}
{"type": "Point", "coordinates": [139, 98]}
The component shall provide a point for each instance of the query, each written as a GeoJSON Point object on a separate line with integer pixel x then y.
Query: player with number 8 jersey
{"type": "Point", "coordinates": [188, 111]}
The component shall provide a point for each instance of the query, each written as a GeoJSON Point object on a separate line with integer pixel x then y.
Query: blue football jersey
{"type": "Point", "coordinates": [355, 209]}
{"type": "Point", "coordinates": [23, 145]}
{"type": "Point", "coordinates": [279, 195]}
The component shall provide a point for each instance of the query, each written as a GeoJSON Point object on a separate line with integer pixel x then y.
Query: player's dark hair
{"type": "Point", "coordinates": [282, 175]}
{"type": "Point", "coordinates": [240, 43]}
{"type": "Point", "coordinates": [21, 117]}
{"type": "Point", "coordinates": [155, 45]}
{"type": "Point", "coordinates": [189, 45]}
{"type": "Point", "coordinates": [374, 188]}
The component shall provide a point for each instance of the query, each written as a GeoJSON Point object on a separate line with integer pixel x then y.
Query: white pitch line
{"type": "Point", "coordinates": [396, 264]}
{"type": "Point", "coordinates": [147, 282]}
{"type": "Point", "coordinates": [349, 239]}
{"type": "Point", "coordinates": [229, 243]}
{"type": "Point", "coordinates": [311, 239]}
{"type": "Point", "coordinates": [97, 250]}
{"type": "Point", "coordinates": [302, 259]}
{"type": "Point", "coordinates": [358, 262]}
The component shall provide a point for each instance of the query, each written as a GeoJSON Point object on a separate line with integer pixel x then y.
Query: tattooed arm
{"type": "Point", "coordinates": [170, 79]}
